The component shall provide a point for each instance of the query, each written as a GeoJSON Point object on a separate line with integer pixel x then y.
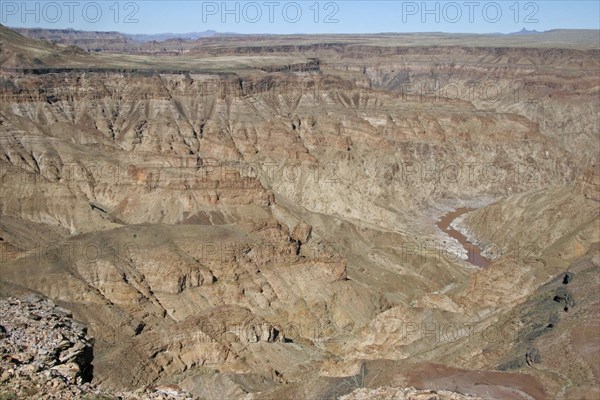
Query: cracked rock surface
{"type": "Point", "coordinates": [46, 354]}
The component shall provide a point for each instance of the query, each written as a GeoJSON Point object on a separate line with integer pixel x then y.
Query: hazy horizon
{"type": "Point", "coordinates": [161, 33]}
{"type": "Point", "coordinates": [303, 17]}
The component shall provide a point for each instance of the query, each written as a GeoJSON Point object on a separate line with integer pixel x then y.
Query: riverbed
{"type": "Point", "coordinates": [473, 251]}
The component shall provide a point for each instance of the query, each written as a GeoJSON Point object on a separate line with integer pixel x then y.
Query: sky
{"type": "Point", "coordinates": [298, 16]}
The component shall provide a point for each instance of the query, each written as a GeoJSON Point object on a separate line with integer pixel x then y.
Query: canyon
{"type": "Point", "coordinates": [284, 217]}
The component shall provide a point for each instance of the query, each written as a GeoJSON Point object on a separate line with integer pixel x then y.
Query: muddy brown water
{"type": "Point", "coordinates": [473, 251]}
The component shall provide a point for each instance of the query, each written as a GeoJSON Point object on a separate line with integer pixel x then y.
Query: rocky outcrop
{"type": "Point", "coordinates": [533, 356]}
{"type": "Point", "coordinates": [42, 338]}
{"type": "Point", "coordinates": [388, 393]}
{"type": "Point", "coordinates": [565, 297]}
{"type": "Point", "coordinates": [301, 232]}
{"type": "Point", "coordinates": [46, 354]}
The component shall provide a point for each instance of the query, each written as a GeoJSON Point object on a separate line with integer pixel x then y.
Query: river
{"type": "Point", "coordinates": [473, 251]}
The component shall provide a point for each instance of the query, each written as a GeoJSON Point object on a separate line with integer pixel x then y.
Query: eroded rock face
{"type": "Point", "coordinates": [248, 233]}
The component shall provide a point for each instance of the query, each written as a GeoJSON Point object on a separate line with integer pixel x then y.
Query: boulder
{"type": "Point", "coordinates": [301, 232]}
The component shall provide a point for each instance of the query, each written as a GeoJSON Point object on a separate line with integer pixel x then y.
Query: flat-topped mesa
{"type": "Point", "coordinates": [311, 66]}
{"type": "Point", "coordinates": [52, 85]}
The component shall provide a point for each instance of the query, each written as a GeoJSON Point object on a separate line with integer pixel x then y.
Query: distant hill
{"type": "Point", "coordinates": [19, 51]}
{"type": "Point", "coordinates": [70, 36]}
{"type": "Point", "coordinates": [86, 38]}
{"type": "Point", "coordinates": [220, 43]}
{"type": "Point", "coordinates": [525, 31]}
{"type": "Point", "coordinates": [117, 42]}
{"type": "Point", "coordinates": [160, 37]}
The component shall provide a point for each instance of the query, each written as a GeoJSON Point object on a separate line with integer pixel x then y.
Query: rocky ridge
{"type": "Point", "coordinates": [46, 354]}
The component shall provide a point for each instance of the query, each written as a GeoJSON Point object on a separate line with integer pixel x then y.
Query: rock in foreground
{"type": "Point", "coordinates": [45, 354]}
